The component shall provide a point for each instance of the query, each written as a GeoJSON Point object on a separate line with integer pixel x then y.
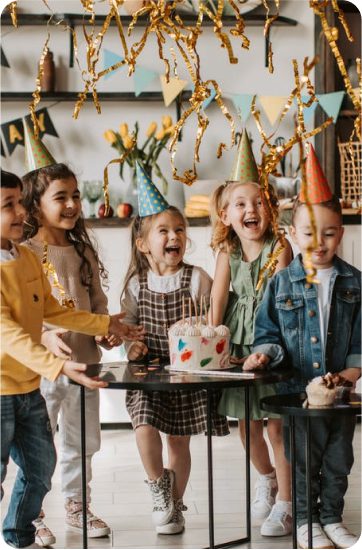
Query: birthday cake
{"type": "Point", "coordinates": [323, 390]}
{"type": "Point", "coordinates": [194, 345]}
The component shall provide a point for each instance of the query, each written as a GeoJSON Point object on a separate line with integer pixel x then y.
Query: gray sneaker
{"type": "Point", "coordinates": [161, 492]}
{"type": "Point", "coordinates": [177, 523]}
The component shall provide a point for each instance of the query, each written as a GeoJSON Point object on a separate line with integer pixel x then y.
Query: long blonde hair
{"type": "Point", "coordinates": [140, 228]}
{"type": "Point", "coordinates": [223, 236]}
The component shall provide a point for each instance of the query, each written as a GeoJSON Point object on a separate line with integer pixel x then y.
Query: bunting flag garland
{"type": "Point", "coordinates": [171, 89]}
{"type": "Point", "coordinates": [4, 61]}
{"type": "Point", "coordinates": [109, 59]}
{"type": "Point", "coordinates": [242, 103]}
{"type": "Point", "coordinates": [331, 103]}
{"type": "Point", "coordinates": [13, 131]}
{"type": "Point", "coordinates": [209, 100]}
{"type": "Point", "coordinates": [142, 78]}
{"type": "Point", "coordinates": [273, 106]}
{"type": "Point", "coordinates": [308, 112]}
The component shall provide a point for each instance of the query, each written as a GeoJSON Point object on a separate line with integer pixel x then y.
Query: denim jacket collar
{"type": "Point", "coordinates": [297, 271]}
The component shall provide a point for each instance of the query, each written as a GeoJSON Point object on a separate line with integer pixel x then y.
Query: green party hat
{"type": "Point", "coordinates": [244, 168]}
{"type": "Point", "coordinates": [150, 200]}
{"type": "Point", "coordinates": [36, 154]}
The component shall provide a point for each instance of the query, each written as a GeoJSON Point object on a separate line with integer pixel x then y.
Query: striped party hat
{"type": "Point", "coordinates": [36, 154]}
{"type": "Point", "coordinates": [150, 200]}
{"type": "Point", "coordinates": [317, 185]}
{"type": "Point", "coordinates": [244, 168]}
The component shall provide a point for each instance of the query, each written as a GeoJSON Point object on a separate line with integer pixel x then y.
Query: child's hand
{"type": "Point", "coordinates": [137, 351]}
{"type": "Point", "coordinates": [122, 330]}
{"type": "Point", "coordinates": [237, 360]}
{"type": "Point", "coordinates": [75, 371]}
{"type": "Point", "coordinates": [52, 340]}
{"type": "Point", "coordinates": [108, 342]}
{"type": "Point", "coordinates": [256, 361]}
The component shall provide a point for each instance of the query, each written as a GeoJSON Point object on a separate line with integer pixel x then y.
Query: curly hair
{"type": "Point", "coordinates": [223, 236]}
{"type": "Point", "coordinates": [35, 183]}
{"type": "Point", "coordinates": [140, 228]}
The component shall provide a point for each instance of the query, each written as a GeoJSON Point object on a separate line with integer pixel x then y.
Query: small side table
{"type": "Point", "coordinates": [292, 405]}
{"type": "Point", "coordinates": [146, 377]}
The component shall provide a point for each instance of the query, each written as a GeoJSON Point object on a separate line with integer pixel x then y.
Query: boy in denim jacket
{"type": "Point", "coordinates": [316, 328]}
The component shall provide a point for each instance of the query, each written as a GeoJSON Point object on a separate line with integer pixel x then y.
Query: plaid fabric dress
{"type": "Point", "coordinates": [176, 412]}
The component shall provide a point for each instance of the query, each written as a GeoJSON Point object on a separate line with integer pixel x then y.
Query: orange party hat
{"type": "Point", "coordinates": [36, 154]}
{"type": "Point", "coordinates": [318, 188]}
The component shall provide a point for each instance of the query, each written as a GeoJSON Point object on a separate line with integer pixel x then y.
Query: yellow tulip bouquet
{"type": "Point", "coordinates": [147, 155]}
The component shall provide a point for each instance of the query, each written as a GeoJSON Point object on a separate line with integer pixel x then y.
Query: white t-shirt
{"type": "Point", "coordinates": [324, 278]}
{"type": "Point", "coordinates": [8, 255]}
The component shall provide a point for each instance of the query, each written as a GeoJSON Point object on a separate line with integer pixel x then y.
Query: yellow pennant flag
{"type": "Point", "coordinates": [273, 106]}
{"type": "Point", "coordinates": [172, 88]}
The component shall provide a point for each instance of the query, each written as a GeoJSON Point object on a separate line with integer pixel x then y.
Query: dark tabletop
{"type": "Point", "coordinates": [293, 405]}
{"type": "Point", "coordinates": [149, 377]}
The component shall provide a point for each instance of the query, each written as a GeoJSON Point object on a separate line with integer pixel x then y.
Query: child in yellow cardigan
{"type": "Point", "coordinates": [26, 301]}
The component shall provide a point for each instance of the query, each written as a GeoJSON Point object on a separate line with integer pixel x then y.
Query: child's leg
{"type": "Point", "coordinates": [259, 453]}
{"type": "Point", "coordinates": [282, 466]}
{"type": "Point", "coordinates": [32, 449]}
{"type": "Point", "coordinates": [149, 445]}
{"type": "Point", "coordinates": [179, 460]}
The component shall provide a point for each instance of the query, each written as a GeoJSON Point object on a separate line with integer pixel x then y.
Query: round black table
{"type": "Point", "coordinates": [148, 377]}
{"type": "Point", "coordinates": [292, 406]}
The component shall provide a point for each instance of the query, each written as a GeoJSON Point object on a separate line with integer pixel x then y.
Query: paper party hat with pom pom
{"type": "Point", "coordinates": [317, 185]}
{"type": "Point", "coordinates": [36, 154]}
{"type": "Point", "coordinates": [244, 168]}
{"type": "Point", "coordinates": [150, 200]}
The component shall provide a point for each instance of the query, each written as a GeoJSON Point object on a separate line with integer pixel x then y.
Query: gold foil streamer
{"type": "Point", "coordinates": [13, 14]}
{"type": "Point", "coordinates": [268, 23]}
{"type": "Point", "coordinates": [36, 93]}
{"type": "Point", "coordinates": [105, 173]}
{"type": "Point", "coordinates": [49, 271]}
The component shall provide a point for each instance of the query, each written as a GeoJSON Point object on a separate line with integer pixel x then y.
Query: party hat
{"type": "Point", "coordinates": [245, 168]}
{"type": "Point", "coordinates": [150, 200]}
{"type": "Point", "coordinates": [318, 188]}
{"type": "Point", "coordinates": [36, 154]}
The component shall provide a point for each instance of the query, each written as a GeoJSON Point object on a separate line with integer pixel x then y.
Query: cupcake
{"type": "Point", "coordinates": [321, 392]}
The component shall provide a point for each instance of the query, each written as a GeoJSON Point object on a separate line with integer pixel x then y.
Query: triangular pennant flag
{"type": "Point", "coordinates": [207, 101]}
{"type": "Point", "coordinates": [172, 88]}
{"type": "Point", "coordinates": [242, 103]}
{"type": "Point", "coordinates": [331, 103]}
{"type": "Point", "coordinates": [4, 61]}
{"type": "Point", "coordinates": [142, 78]}
{"type": "Point", "coordinates": [317, 185]}
{"type": "Point", "coordinates": [109, 59]}
{"type": "Point", "coordinates": [36, 154]}
{"type": "Point", "coordinates": [272, 105]}
{"type": "Point", "coordinates": [150, 200]}
{"type": "Point", "coordinates": [2, 149]}
{"type": "Point", "coordinates": [308, 112]}
{"type": "Point", "coordinates": [244, 168]}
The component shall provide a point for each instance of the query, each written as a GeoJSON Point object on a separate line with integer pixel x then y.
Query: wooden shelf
{"type": "Point", "coordinates": [103, 96]}
{"type": "Point", "coordinates": [72, 19]}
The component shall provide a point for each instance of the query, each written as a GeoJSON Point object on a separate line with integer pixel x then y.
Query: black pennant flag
{"type": "Point", "coordinates": [4, 61]}
{"type": "Point", "coordinates": [13, 131]}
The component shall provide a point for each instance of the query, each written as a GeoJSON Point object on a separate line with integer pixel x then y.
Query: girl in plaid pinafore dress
{"type": "Point", "coordinates": [155, 301]}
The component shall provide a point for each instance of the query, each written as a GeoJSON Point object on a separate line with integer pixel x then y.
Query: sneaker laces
{"type": "Point", "coordinates": [263, 491]}
{"type": "Point", "coordinates": [341, 530]}
{"type": "Point", "coordinates": [161, 493]}
{"type": "Point", "coordinates": [39, 524]}
{"type": "Point", "coordinates": [177, 514]}
{"type": "Point", "coordinates": [278, 514]}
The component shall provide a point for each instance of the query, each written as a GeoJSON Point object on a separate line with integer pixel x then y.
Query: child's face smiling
{"type": "Point", "coordinates": [60, 205]}
{"type": "Point", "coordinates": [165, 243]}
{"type": "Point", "coordinates": [329, 234]}
{"type": "Point", "coordinates": [12, 215]}
{"type": "Point", "coordinates": [246, 212]}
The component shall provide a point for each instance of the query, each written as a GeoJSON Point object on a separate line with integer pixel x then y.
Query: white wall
{"type": "Point", "coordinates": [81, 141]}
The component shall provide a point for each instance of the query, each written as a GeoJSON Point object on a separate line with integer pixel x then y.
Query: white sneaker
{"type": "Point", "coordinates": [319, 538]}
{"type": "Point", "coordinates": [266, 489]}
{"type": "Point", "coordinates": [177, 523]}
{"type": "Point", "coordinates": [43, 535]}
{"type": "Point", "coordinates": [339, 535]}
{"type": "Point", "coordinates": [96, 527]}
{"type": "Point", "coordinates": [162, 491]}
{"type": "Point", "coordinates": [279, 522]}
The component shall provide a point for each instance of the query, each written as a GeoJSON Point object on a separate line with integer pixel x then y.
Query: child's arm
{"type": "Point", "coordinates": [285, 257]}
{"type": "Point", "coordinates": [52, 340]}
{"type": "Point", "coordinates": [220, 287]}
{"type": "Point", "coordinates": [352, 372]}
{"type": "Point", "coordinates": [129, 305]}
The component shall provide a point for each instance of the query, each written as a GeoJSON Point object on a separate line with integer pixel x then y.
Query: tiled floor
{"type": "Point", "coordinates": [121, 497]}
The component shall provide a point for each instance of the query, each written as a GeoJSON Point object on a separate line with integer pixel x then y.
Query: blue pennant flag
{"type": "Point", "coordinates": [242, 103]}
{"type": "Point", "coordinates": [209, 100]}
{"type": "Point", "coordinates": [109, 59]}
{"type": "Point", "coordinates": [308, 112]}
{"type": "Point", "coordinates": [331, 103]}
{"type": "Point", "coordinates": [142, 78]}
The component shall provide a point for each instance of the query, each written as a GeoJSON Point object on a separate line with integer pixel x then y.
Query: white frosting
{"type": "Point", "coordinates": [197, 349]}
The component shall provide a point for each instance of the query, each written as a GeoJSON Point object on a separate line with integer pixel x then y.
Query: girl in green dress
{"type": "Point", "coordinates": [243, 239]}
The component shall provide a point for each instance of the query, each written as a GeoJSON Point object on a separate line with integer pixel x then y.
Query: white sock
{"type": "Point", "coordinates": [285, 505]}
{"type": "Point", "coordinates": [272, 475]}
